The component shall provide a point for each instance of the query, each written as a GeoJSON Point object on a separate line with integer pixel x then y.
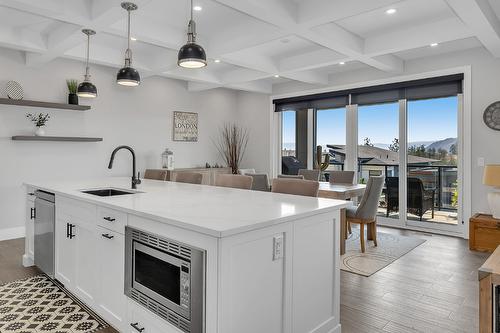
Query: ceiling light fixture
{"type": "Point", "coordinates": [86, 89]}
{"type": "Point", "coordinates": [217, 60]}
{"type": "Point", "coordinates": [390, 11]}
{"type": "Point", "coordinates": [133, 39]}
{"type": "Point", "coordinates": [128, 76]}
{"type": "Point", "coordinates": [434, 44]}
{"type": "Point", "coordinates": [276, 76]}
{"type": "Point", "coordinates": [197, 8]}
{"type": "Point", "coordinates": [192, 55]}
{"type": "Point", "coordinates": [342, 63]}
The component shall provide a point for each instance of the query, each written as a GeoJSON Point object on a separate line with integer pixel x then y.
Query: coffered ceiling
{"type": "Point", "coordinates": [259, 43]}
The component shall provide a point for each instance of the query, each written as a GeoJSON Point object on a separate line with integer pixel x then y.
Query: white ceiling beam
{"type": "Point", "coordinates": [311, 77]}
{"type": "Point", "coordinates": [263, 87]}
{"type": "Point", "coordinates": [481, 19]}
{"type": "Point", "coordinates": [310, 60]}
{"type": "Point", "coordinates": [243, 75]}
{"type": "Point", "coordinates": [198, 86]}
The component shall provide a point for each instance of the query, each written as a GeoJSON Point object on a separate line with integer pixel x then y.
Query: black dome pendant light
{"type": "Point", "coordinates": [192, 55]}
{"type": "Point", "coordinates": [86, 89]}
{"type": "Point", "coordinates": [128, 76]}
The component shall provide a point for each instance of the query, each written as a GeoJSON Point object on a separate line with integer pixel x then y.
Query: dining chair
{"type": "Point", "coordinates": [303, 187]}
{"type": "Point", "coordinates": [309, 174]}
{"type": "Point", "coordinates": [234, 181]}
{"type": "Point", "coordinates": [155, 174]}
{"type": "Point", "coordinates": [189, 177]}
{"type": "Point", "coordinates": [291, 176]}
{"type": "Point", "coordinates": [366, 211]}
{"type": "Point", "coordinates": [341, 177]}
{"type": "Point", "coordinates": [245, 171]}
{"type": "Point", "coordinates": [260, 182]}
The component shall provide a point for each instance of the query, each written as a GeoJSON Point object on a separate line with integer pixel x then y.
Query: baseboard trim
{"type": "Point", "coordinates": [329, 326]}
{"type": "Point", "coordinates": [336, 329]}
{"type": "Point", "coordinates": [12, 233]}
{"type": "Point", "coordinates": [27, 261]}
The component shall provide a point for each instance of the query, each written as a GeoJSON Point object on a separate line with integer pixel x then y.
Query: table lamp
{"type": "Point", "coordinates": [491, 177]}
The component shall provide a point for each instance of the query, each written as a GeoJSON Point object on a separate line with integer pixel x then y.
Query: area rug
{"type": "Point", "coordinates": [390, 248]}
{"type": "Point", "coordinates": [37, 304]}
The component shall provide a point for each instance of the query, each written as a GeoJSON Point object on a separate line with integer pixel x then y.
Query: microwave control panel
{"type": "Point", "coordinates": [185, 288]}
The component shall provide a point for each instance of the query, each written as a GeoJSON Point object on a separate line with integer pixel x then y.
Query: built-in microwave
{"type": "Point", "coordinates": [167, 277]}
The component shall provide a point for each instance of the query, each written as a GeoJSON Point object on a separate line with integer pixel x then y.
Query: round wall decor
{"type": "Point", "coordinates": [14, 90]}
{"type": "Point", "coordinates": [491, 116]}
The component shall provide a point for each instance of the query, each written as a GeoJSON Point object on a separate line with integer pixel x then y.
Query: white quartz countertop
{"type": "Point", "coordinates": [215, 211]}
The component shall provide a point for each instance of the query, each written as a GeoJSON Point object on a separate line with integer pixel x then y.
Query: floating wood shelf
{"type": "Point", "coordinates": [55, 138]}
{"type": "Point", "coordinates": [47, 105]}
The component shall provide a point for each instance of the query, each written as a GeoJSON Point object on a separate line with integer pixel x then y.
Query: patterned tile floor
{"type": "Point", "coordinates": [36, 304]}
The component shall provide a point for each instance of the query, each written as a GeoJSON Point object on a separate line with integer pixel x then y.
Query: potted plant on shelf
{"type": "Point", "coordinates": [72, 89]}
{"type": "Point", "coordinates": [232, 144]}
{"type": "Point", "coordinates": [40, 121]}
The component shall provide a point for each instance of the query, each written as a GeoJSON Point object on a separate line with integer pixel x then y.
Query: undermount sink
{"type": "Point", "coordinates": [108, 192]}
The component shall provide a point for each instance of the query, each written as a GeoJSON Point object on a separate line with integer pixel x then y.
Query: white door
{"type": "Point", "coordinates": [111, 298]}
{"type": "Point", "coordinates": [86, 256]}
{"type": "Point", "coordinates": [65, 252]}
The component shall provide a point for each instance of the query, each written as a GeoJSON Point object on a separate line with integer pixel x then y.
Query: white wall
{"type": "Point", "coordinates": [485, 90]}
{"type": "Point", "coordinates": [140, 117]}
{"type": "Point", "coordinates": [253, 113]}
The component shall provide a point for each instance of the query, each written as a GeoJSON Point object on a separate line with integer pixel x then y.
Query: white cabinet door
{"type": "Point", "coordinates": [86, 280]}
{"type": "Point", "coordinates": [111, 300]}
{"type": "Point", "coordinates": [65, 268]}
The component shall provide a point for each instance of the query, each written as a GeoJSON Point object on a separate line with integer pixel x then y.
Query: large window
{"type": "Point", "coordinates": [288, 139]}
{"type": "Point", "coordinates": [378, 151]}
{"type": "Point", "coordinates": [331, 135]}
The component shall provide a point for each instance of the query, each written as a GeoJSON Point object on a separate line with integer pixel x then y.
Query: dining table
{"type": "Point", "coordinates": [341, 192]}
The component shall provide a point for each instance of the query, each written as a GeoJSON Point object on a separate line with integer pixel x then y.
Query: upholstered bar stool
{"type": "Point", "coordinates": [234, 181]}
{"type": "Point", "coordinates": [155, 174]}
{"type": "Point", "coordinates": [189, 177]}
{"type": "Point", "coordinates": [308, 188]}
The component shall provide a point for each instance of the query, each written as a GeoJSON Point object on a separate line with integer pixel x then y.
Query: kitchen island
{"type": "Point", "coordinates": [248, 261]}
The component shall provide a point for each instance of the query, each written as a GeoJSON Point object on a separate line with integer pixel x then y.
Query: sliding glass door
{"type": "Point", "coordinates": [432, 157]}
{"type": "Point", "coordinates": [330, 129]}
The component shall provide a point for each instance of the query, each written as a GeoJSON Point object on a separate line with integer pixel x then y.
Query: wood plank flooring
{"type": "Point", "coordinates": [433, 288]}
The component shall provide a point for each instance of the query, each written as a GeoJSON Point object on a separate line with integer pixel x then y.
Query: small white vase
{"type": "Point", "coordinates": [39, 131]}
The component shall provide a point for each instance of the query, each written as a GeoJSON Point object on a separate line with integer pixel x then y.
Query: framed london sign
{"type": "Point", "coordinates": [185, 126]}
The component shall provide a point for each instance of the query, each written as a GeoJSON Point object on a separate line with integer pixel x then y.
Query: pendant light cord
{"type": "Point", "coordinates": [191, 10]}
{"type": "Point", "coordinates": [128, 52]}
{"type": "Point", "coordinates": [87, 75]}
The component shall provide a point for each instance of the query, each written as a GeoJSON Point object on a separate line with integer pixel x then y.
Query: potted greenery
{"type": "Point", "coordinates": [72, 88]}
{"type": "Point", "coordinates": [40, 120]}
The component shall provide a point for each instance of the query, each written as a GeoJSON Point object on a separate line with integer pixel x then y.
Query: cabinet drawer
{"type": "Point", "coordinates": [142, 320]}
{"type": "Point", "coordinates": [76, 208]}
{"type": "Point", "coordinates": [112, 219]}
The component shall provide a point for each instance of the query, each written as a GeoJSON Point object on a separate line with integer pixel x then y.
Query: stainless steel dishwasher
{"type": "Point", "coordinates": [45, 213]}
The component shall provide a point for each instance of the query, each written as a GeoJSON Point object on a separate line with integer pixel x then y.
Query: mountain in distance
{"type": "Point", "coordinates": [443, 144]}
{"type": "Point", "coordinates": [416, 144]}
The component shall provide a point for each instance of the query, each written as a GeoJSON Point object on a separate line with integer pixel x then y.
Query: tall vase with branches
{"type": "Point", "coordinates": [232, 144]}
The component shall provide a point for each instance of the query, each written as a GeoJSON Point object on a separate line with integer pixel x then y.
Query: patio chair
{"type": "Point", "coordinates": [419, 200]}
{"type": "Point", "coordinates": [260, 182]}
{"type": "Point", "coordinates": [341, 177]}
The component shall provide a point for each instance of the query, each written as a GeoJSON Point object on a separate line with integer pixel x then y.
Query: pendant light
{"type": "Point", "coordinates": [128, 76]}
{"type": "Point", "coordinates": [86, 89]}
{"type": "Point", "coordinates": [192, 55]}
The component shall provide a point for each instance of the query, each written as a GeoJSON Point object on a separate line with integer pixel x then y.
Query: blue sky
{"type": "Point", "coordinates": [428, 120]}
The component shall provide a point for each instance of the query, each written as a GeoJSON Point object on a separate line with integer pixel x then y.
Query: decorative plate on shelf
{"type": "Point", "coordinates": [491, 116]}
{"type": "Point", "coordinates": [14, 90]}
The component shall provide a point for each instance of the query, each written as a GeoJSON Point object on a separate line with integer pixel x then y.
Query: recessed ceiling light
{"type": "Point", "coordinates": [342, 63]}
{"type": "Point", "coordinates": [217, 60]}
{"type": "Point", "coordinates": [133, 39]}
{"type": "Point", "coordinates": [390, 11]}
{"type": "Point", "coordinates": [276, 76]}
{"type": "Point", "coordinates": [197, 8]}
{"type": "Point", "coordinates": [434, 44]}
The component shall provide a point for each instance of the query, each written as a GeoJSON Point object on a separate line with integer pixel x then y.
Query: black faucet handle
{"type": "Point", "coordinates": [138, 180]}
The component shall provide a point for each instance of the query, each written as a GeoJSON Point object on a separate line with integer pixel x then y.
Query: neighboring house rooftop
{"type": "Point", "coordinates": [375, 155]}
